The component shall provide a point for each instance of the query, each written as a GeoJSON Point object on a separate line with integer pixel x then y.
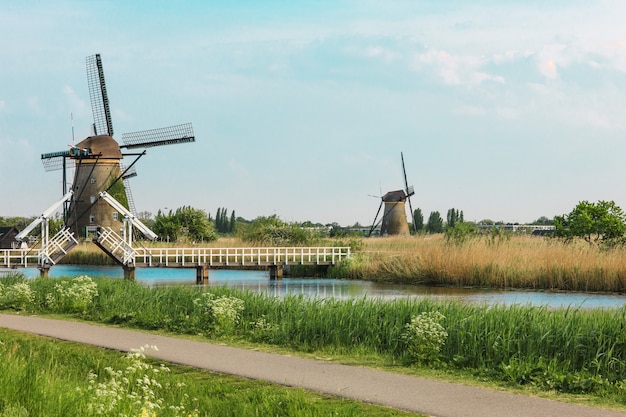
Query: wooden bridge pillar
{"type": "Point", "coordinates": [202, 274]}
{"type": "Point", "coordinates": [44, 271]}
{"type": "Point", "coordinates": [276, 272]}
{"type": "Point", "coordinates": [129, 273]}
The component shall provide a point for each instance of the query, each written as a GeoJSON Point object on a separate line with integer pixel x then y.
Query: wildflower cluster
{"type": "Point", "coordinates": [219, 315]}
{"type": "Point", "coordinates": [72, 296]}
{"type": "Point", "coordinates": [424, 336]}
{"type": "Point", "coordinates": [263, 331]}
{"type": "Point", "coordinates": [17, 295]}
{"type": "Point", "coordinates": [132, 391]}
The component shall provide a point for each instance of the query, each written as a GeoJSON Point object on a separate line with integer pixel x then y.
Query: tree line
{"type": "Point", "coordinates": [435, 222]}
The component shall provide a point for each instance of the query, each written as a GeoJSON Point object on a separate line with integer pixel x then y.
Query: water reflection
{"type": "Point", "coordinates": [332, 288]}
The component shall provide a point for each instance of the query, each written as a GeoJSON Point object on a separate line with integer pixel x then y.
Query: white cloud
{"type": "Point", "coordinates": [548, 69]}
{"type": "Point", "coordinates": [380, 52]}
{"type": "Point", "coordinates": [3, 105]}
{"type": "Point", "coordinates": [454, 69]}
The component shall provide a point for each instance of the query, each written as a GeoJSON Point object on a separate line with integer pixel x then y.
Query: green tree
{"type": "Point", "coordinates": [461, 232]}
{"type": "Point", "coordinates": [233, 221]}
{"type": "Point", "coordinates": [273, 231]}
{"type": "Point", "coordinates": [166, 226]}
{"type": "Point", "coordinates": [543, 220]}
{"type": "Point", "coordinates": [193, 222]}
{"type": "Point", "coordinates": [196, 222]}
{"type": "Point", "coordinates": [435, 223]}
{"type": "Point", "coordinates": [418, 220]}
{"type": "Point", "coordinates": [454, 216]}
{"type": "Point", "coordinates": [594, 222]}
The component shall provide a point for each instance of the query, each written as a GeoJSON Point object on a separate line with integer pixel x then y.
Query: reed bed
{"type": "Point", "coordinates": [505, 262]}
{"type": "Point", "coordinates": [496, 262]}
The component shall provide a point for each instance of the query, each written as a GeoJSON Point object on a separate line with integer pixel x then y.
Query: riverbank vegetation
{"type": "Point", "coordinates": [575, 351]}
{"type": "Point", "coordinates": [496, 260]}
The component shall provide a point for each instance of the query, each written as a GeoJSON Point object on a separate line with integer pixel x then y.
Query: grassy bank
{"type": "Point", "coordinates": [501, 262]}
{"type": "Point", "coordinates": [43, 377]}
{"type": "Point", "coordinates": [573, 351]}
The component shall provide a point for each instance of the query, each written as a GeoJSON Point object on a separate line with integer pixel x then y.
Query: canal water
{"type": "Point", "coordinates": [326, 288]}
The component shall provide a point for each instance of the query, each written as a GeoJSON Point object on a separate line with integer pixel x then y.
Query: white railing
{"type": "Point", "coordinates": [117, 246]}
{"type": "Point", "coordinates": [13, 258]}
{"type": "Point", "coordinates": [240, 256]}
{"type": "Point", "coordinates": [181, 257]}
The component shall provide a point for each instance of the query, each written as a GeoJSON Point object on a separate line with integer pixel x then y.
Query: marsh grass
{"type": "Point", "coordinates": [507, 262]}
{"type": "Point", "coordinates": [43, 377]}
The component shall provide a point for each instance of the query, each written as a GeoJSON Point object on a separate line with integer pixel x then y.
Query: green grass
{"type": "Point", "coordinates": [571, 351]}
{"type": "Point", "coordinates": [44, 377]}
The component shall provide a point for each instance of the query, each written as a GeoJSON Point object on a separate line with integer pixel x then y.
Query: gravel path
{"type": "Point", "coordinates": [433, 398]}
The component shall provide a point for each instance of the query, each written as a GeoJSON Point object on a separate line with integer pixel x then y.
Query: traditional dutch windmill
{"type": "Point", "coordinates": [97, 162]}
{"type": "Point", "coordinates": [394, 216]}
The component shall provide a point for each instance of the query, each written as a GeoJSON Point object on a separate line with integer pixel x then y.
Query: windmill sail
{"type": "Point", "coordinates": [55, 161]}
{"type": "Point", "coordinates": [98, 95]}
{"type": "Point", "coordinates": [158, 137]}
{"type": "Point", "coordinates": [409, 190]}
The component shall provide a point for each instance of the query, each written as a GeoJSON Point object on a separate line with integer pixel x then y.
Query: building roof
{"type": "Point", "coordinates": [102, 144]}
{"type": "Point", "coordinates": [394, 196]}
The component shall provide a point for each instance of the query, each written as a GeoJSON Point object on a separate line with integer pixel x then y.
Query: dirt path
{"type": "Point", "coordinates": [433, 398]}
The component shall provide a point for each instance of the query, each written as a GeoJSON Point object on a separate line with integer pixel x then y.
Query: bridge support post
{"type": "Point", "coordinates": [44, 271]}
{"type": "Point", "coordinates": [202, 274]}
{"type": "Point", "coordinates": [276, 272]}
{"type": "Point", "coordinates": [129, 273]}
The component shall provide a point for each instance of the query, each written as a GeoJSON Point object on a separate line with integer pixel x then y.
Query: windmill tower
{"type": "Point", "coordinates": [394, 220]}
{"type": "Point", "coordinates": [97, 161]}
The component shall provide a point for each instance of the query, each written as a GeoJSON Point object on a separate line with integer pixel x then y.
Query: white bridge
{"type": "Point", "coordinates": [129, 256]}
{"type": "Point", "coordinates": [201, 259]}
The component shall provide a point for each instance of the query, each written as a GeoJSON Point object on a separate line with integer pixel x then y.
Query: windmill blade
{"type": "Point", "coordinates": [129, 195]}
{"type": "Point", "coordinates": [374, 224]}
{"type": "Point", "coordinates": [412, 219]}
{"type": "Point", "coordinates": [409, 192]}
{"type": "Point", "coordinates": [159, 137]}
{"type": "Point", "coordinates": [53, 161]}
{"type": "Point", "coordinates": [127, 172]}
{"type": "Point", "coordinates": [98, 96]}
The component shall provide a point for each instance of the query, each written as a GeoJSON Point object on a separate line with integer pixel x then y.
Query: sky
{"type": "Point", "coordinates": [507, 110]}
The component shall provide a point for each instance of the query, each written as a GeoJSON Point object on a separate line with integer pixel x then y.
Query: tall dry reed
{"type": "Point", "coordinates": [513, 262]}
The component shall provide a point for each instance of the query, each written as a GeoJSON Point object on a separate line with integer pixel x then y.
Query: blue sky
{"type": "Point", "coordinates": [506, 110]}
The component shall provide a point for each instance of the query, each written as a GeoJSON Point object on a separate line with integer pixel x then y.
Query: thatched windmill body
{"type": "Point", "coordinates": [97, 161]}
{"type": "Point", "coordinates": [394, 221]}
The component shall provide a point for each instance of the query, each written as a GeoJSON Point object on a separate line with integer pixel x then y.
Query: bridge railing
{"type": "Point", "coordinates": [10, 258]}
{"type": "Point", "coordinates": [240, 256]}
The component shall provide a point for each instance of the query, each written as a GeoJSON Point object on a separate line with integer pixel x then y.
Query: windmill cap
{"type": "Point", "coordinates": [104, 145]}
{"type": "Point", "coordinates": [394, 196]}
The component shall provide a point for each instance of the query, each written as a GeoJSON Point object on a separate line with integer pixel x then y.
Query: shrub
{"type": "Point", "coordinates": [218, 315]}
{"type": "Point", "coordinates": [423, 337]}
{"type": "Point", "coordinates": [72, 296]}
{"type": "Point", "coordinates": [16, 296]}
{"type": "Point", "coordinates": [273, 231]}
{"type": "Point", "coordinates": [263, 331]}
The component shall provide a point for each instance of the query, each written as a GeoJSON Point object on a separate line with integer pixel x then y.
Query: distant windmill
{"type": "Point", "coordinates": [97, 161]}
{"type": "Point", "coordinates": [394, 216]}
